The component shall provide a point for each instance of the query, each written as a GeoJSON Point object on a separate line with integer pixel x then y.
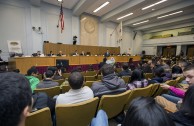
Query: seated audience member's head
{"type": "Point", "coordinates": [53, 69]}
{"type": "Point", "coordinates": [107, 69]}
{"type": "Point", "coordinates": [104, 59]}
{"type": "Point", "coordinates": [49, 74]}
{"type": "Point", "coordinates": [32, 72]}
{"type": "Point", "coordinates": [176, 70]}
{"type": "Point", "coordinates": [15, 100]}
{"type": "Point", "coordinates": [137, 75]}
{"type": "Point", "coordinates": [183, 64]}
{"type": "Point", "coordinates": [146, 112]}
{"type": "Point", "coordinates": [76, 80]}
{"type": "Point", "coordinates": [188, 72]}
{"type": "Point", "coordinates": [16, 71]}
{"type": "Point", "coordinates": [125, 66]}
{"type": "Point", "coordinates": [159, 71]}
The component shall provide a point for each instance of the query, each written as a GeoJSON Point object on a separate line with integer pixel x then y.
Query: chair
{"type": "Point", "coordinates": [148, 75]}
{"type": "Point", "coordinates": [89, 78]}
{"type": "Point", "coordinates": [126, 79]}
{"type": "Point", "coordinates": [171, 82]}
{"type": "Point", "coordinates": [66, 75]}
{"type": "Point", "coordinates": [39, 76]}
{"type": "Point", "coordinates": [79, 114]}
{"type": "Point", "coordinates": [179, 79]}
{"type": "Point", "coordinates": [89, 83]}
{"type": "Point", "coordinates": [99, 77]}
{"type": "Point", "coordinates": [113, 104]}
{"type": "Point", "coordinates": [154, 89]}
{"type": "Point", "coordinates": [51, 92]}
{"type": "Point", "coordinates": [90, 73]}
{"type": "Point", "coordinates": [60, 81]}
{"type": "Point", "coordinates": [146, 91]}
{"type": "Point", "coordinates": [65, 88]}
{"type": "Point", "coordinates": [41, 117]}
{"type": "Point", "coordinates": [118, 70]}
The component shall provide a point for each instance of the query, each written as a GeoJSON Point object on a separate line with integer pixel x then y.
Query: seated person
{"type": "Point", "coordinates": [60, 53]}
{"type": "Point", "coordinates": [126, 71]}
{"type": "Point", "coordinates": [77, 93]}
{"type": "Point", "coordinates": [32, 74]}
{"type": "Point", "coordinates": [110, 84]}
{"type": "Point", "coordinates": [16, 99]}
{"type": "Point", "coordinates": [107, 53]}
{"type": "Point", "coordinates": [57, 73]}
{"type": "Point", "coordinates": [101, 119]}
{"type": "Point", "coordinates": [75, 53]}
{"type": "Point", "coordinates": [146, 112]}
{"type": "Point", "coordinates": [176, 71]}
{"type": "Point", "coordinates": [48, 81]}
{"type": "Point", "coordinates": [159, 73]}
{"type": "Point", "coordinates": [51, 53]}
{"type": "Point", "coordinates": [37, 54]}
{"type": "Point", "coordinates": [102, 63]}
{"type": "Point", "coordinates": [137, 80]}
{"type": "Point", "coordinates": [82, 53]}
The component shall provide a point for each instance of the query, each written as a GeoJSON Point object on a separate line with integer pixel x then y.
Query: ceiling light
{"type": "Point", "coordinates": [153, 4]}
{"type": "Point", "coordinates": [141, 22]}
{"type": "Point", "coordinates": [169, 14]}
{"type": "Point", "coordinates": [60, 0]}
{"type": "Point", "coordinates": [103, 5]}
{"type": "Point", "coordinates": [124, 16]}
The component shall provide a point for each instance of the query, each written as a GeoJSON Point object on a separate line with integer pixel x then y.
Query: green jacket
{"type": "Point", "coordinates": [33, 82]}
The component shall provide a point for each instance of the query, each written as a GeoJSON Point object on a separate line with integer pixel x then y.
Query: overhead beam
{"type": "Point", "coordinates": [170, 28]}
{"type": "Point", "coordinates": [81, 6]}
{"type": "Point", "coordinates": [35, 2]}
{"type": "Point", "coordinates": [160, 12]}
{"type": "Point", "coordinates": [120, 9]}
{"type": "Point", "coordinates": [159, 23]}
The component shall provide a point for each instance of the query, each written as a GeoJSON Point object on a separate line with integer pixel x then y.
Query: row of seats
{"type": "Point", "coordinates": [82, 113]}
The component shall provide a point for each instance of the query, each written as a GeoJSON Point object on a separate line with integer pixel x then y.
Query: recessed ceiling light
{"type": "Point", "coordinates": [153, 9]}
{"type": "Point", "coordinates": [153, 4]}
{"type": "Point", "coordinates": [141, 22]}
{"type": "Point", "coordinates": [103, 5]}
{"type": "Point", "coordinates": [124, 16]}
{"type": "Point", "coordinates": [169, 14]}
{"type": "Point", "coordinates": [60, 0]}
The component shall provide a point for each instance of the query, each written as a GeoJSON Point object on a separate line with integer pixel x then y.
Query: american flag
{"type": "Point", "coordinates": [61, 19]}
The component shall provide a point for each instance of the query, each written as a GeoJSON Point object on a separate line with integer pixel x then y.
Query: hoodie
{"type": "Point", "coordinates": [110, 84]}
{"type": "Point", "coordinates": [33, 82]}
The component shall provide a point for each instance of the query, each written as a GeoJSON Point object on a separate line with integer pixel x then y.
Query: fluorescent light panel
{"type": "Point", "coordinates": [60, 0]}
{"type": "Point", "coordinates": [153, 4]}
{"type": "Point", "coordinates": [169, 14]}
{"type": "Point", "coordinates": [103, 5]}
{"type": "Point", "coordinates": [124, 16]}
{"type": "Point", "coordinates": [141, 22]}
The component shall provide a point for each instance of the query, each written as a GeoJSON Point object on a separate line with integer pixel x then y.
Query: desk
{"type": "Point", "coordinates": [24, 63]}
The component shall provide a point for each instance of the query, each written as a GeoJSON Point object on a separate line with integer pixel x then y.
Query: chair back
{"type": "Point", "coordinates": [126, 79]}
{"type": "Point", "coordinates": [148, 75]}
{"type": "Point", "coordinates": [66, 75]}
{"type": "Point", "coordinates": [51, 92]}
{"type": "Point", "coordinates": [154, 89]}
{"type": "Point", "coordinates": [65, 88]}
{"type": "Point", "coordinates": [41, 117]}
{"type": "Point", "coordinates": [89, 83]}
{"type": "Point", "coordinates": [180, 79]}
{"type": "Point", "coordinates": [90, 73]}
{"type": "Point", "coordinates": [146, 91]}
{"type": "Point", "coordinates": [89, 78]}
{"type": "Point", "coordinates": [79, 114]}
{"type": "Point", "coordinates": [113, 104]}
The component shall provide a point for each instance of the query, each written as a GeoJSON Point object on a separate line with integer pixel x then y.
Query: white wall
{"type": "Point", "coordinates": [17, 17]}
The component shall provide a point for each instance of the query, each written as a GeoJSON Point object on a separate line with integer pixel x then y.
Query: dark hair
{"type": "Point", "coordinates": [159, 71]}
{"type": "Point", "coordinates": [49, 74]}
{"type": "Point", "coordinates": [190, 67]}
{"type": "Point", "coordinates": [53, 69]}
{"type": "Point", "coordinates": [188, 102]}
{"type": "Point", "coordinates": [137, 75]}
{"type": "Point", "coordinates": [146, 112]}
{"type": "Point", "coordinates": [16, 71]}
{"type": "Point", "coordinates": [76, 80]}
{"type": "Point", "coordinates": [15, 95]}
{"type": "Point", "coordinates": [32, 70]}
{"type": "Point", "coordinates": [176, 70]}
{"type": "Point", "coordinates": [104, 59]}
{"type": "Point", "coordinates": [125, 66]}
{"type": "Point", "coordinates": [107, 69]}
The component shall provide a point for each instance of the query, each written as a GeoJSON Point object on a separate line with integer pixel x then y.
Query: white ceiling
{"type": "Point", "coordinates": [118, 8]}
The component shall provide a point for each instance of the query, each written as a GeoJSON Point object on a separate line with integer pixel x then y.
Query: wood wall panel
{"type": "Point", "coordinates": [69, 49]}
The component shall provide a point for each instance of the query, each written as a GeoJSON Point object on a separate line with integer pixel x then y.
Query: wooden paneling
{"type": "Point", "coordinates": [69, 49]}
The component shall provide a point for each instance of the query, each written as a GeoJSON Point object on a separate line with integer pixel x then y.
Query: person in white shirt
{"type": "Point", "coordinates": [77, 93]}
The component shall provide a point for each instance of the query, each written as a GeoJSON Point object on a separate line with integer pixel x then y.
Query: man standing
{"type": "Point", "coordinates": [110, 84]}
{"type": "Point", "coordinates": [16, 99]}
{"type": "Point", "coordinates": [107, 54]}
